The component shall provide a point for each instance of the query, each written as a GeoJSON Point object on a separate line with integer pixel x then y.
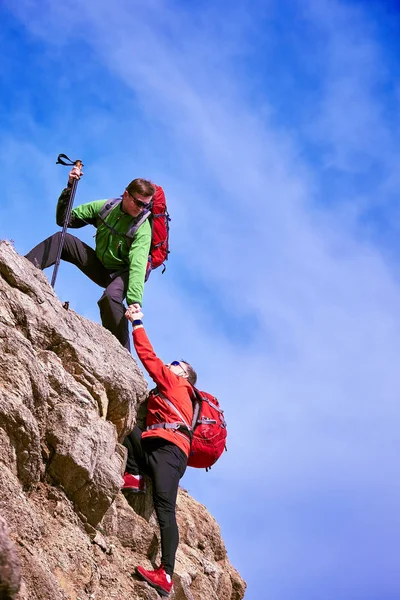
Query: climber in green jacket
{"type": "Point", "coordinates": [118, 262]}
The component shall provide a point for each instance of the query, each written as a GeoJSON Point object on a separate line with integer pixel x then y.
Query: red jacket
{"type": "Point", "coordinates": [177, 389]}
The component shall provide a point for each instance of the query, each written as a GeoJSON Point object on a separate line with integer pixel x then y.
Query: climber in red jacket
{"type": "Point", "coordinates": [161, 451]}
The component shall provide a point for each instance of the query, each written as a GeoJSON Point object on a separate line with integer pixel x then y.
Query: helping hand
{"type": "Point", "coordinates": [134, 312]}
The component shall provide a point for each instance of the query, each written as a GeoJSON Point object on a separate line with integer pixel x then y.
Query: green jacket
{"type": "Point", "coordinates": [112, 247]}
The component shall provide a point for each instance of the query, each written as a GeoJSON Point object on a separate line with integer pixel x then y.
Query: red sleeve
{"type": "Point", "coordinates": [160, 374]}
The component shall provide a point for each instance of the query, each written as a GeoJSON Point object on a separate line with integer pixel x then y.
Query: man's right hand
{"type": "Point", "coordinates": [75, 173]}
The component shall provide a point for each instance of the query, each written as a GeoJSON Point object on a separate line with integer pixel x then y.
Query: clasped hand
{"type": "Point", "coordinates": [134, 312]}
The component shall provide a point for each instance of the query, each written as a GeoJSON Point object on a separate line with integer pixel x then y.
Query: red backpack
{"type": "Point", "coordinates": [159, 220]}
{"type": "Point", "coordinates": [209, 431]}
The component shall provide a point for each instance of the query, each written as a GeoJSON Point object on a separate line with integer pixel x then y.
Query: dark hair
{"type": "Point", "coordinates": [141, 186]}
{"type": "Point", "coordinates": [192, 375]}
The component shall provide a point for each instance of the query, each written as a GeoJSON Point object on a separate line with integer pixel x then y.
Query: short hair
{"type": "Point", "coordinates": [141, 186]}
{"type": "Point", "coordinates": [192, 375]}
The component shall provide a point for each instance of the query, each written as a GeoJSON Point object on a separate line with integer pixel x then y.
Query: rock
{"type": "Point", "coordinates": [131, 530]}
{"type": "Point", "coordinates": [85, 459]}
{"type": "Point", "coordinates": [69, 391]}
{"type": "Point", "coordinates": [86, 350]}
{"type": "Point", "coordinates": [68, 394]}
{"type": "Point", "coordinates": [10, 569]}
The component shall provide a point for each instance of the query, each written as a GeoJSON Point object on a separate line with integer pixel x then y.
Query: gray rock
{"type": "Point", "coordinates": [21, 429]}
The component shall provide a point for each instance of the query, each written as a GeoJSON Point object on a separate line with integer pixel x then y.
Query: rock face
{"type": "Point", "coordinates": [10, 570]}
{"type": "Point", "coordinates": [68, 395]}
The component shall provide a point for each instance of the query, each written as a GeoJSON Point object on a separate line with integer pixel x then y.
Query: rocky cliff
{"type": "Point", "coordinates": [68, 394]}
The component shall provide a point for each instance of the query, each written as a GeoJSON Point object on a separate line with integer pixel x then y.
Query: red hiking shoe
{"type": "Point", "coordinates": [134, 483]}
{"type": "Point", "coordinates": [158, 579]}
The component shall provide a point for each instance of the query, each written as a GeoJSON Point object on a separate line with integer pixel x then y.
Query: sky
{"type": "Point", "coordinates": [273, 127]}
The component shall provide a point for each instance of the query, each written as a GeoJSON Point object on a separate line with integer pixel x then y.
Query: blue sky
{"type": "Point", "coordinates": [274, 129]}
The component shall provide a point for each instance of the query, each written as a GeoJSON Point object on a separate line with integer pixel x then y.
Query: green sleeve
{"type": "Point", "coordinates": [89, 210]}
{"type": "Point", "coordinates": [138, 255]}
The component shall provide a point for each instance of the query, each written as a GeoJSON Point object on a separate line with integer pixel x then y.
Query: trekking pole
{"type": "Point", "coordinates": [70, 163]}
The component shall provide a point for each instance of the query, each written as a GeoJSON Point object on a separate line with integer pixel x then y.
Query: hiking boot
{"type": "Point", "coordinates": [134, 483]}
{"type": "Point", "coordinates": [158, 579]}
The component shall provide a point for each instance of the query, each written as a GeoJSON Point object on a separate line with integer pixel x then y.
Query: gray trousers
{"type": "Point", "coordinates": [111, 303]}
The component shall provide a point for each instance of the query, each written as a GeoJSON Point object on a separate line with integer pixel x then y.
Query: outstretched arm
{"type": "Point", "coordinates": [138, 255]}
{"type": "Point", "coordinates": [162, 376]}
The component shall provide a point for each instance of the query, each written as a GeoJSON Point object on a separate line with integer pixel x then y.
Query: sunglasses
{"type": "Point", "coordinates": [140, 203]}
{"type": "Point", "coordinates": [176, 363]}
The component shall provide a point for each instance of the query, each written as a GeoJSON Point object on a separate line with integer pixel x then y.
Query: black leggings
{"type": "Point", "coordinates": [112, 310]}
{"type": "Point", "coordinates": [165, 463]}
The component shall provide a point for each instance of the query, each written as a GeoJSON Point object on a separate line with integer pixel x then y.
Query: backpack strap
{"type": "Point", "coordinates": [198, 399]}
{"type": "Point", "coordinates": [135, 226]}
{"type": "Point", "coordinates": [214, 406]}
{"type": "Point", "coordinates": [174, 426]}
{"type": "Point", "coordinates": [181, 426]}
{"type": "Point", "coordinates": [109, 205]}
{"type": "Point", "coordinates": [176, 411]}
